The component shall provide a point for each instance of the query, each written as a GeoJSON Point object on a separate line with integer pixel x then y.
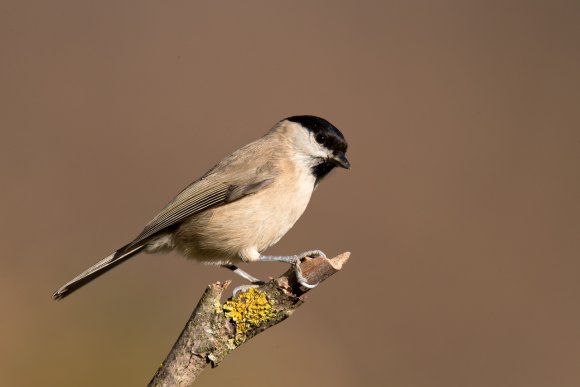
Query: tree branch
{"type": "Point", "coordinates": [214, 330]}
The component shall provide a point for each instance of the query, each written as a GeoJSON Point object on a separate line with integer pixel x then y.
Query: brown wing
{"type": "Point", "coordinates": [199, 196]}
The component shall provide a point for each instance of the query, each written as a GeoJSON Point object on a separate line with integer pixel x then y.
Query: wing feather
{"type": "Point", "coordinates": [199, 196]}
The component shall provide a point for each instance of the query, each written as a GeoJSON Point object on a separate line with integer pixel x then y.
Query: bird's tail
{"type": "Point", "coordinates": [97, 270]}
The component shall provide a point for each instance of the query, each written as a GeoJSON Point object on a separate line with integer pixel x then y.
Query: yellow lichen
{"type": "Point", "coordinates": [248, 310]}
{"type": "Point", "coordinates": [217, 305]}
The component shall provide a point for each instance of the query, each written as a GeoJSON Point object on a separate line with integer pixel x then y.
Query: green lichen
{"type": "Point", "coordinates": [248, 310]}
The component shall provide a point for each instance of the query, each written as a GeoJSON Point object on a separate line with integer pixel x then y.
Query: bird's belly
{"type": "Point", "coordinates": [253, 223]}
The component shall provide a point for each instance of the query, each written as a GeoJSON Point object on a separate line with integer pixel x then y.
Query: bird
{"type": "Point", "coordinates": [243, 205]}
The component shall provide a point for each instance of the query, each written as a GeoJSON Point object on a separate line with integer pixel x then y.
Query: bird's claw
{"type": "Point", "coordinates": [243, 288]}
{"type": "Point", "coordinates": [301, 279]}
{"type": "Point", "coordinates": [312, 254]}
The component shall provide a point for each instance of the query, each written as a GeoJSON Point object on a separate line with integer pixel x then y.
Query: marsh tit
{"type": "Point", "coordinates": [243, 205]}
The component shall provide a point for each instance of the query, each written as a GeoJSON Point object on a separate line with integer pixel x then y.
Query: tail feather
{"type": "Point", "coordinates": [97, 270]}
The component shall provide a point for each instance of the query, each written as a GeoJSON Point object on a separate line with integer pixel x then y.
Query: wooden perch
{"type": "Point", "coordinates": [215, 329]}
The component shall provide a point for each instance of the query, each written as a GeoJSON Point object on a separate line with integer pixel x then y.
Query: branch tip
{"type": "Point", "coordinates": [210, 334]}
{"type": "Point", "coordinates": [338, 262]}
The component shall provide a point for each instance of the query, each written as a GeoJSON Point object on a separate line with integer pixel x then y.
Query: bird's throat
{"type": "Point", "coordinates": [322, 169]}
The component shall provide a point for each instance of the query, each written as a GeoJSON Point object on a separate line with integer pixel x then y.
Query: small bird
{"type": "Point", "coordinates": [241, 206]}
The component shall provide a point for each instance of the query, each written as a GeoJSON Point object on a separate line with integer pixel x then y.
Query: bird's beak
{"type": "Point", "coordinates": [341, 160]}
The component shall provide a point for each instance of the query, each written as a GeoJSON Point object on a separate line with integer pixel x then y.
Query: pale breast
{"type": "Point", "coordinates": [252, 223]}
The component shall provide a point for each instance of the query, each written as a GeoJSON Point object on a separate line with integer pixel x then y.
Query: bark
{"type": "Point", "coordinates": [215, 329]}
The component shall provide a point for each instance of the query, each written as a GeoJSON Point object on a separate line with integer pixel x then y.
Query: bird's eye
{"type": "Point", "coordinates": [320, 138]}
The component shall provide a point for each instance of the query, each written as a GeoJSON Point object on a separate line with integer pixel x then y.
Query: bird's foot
{"type": "Point", "coordinates": [312, 254]}
{"type": "Point", "coordinates": [300, 278]}
{"type": "Point", "coordinates": [294, 260]}
{"type": "Point", "coordinates": [244, 288]}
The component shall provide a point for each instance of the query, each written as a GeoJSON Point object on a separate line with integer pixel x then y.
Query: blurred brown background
{"type": "Point", "coordinates": [462, 207]}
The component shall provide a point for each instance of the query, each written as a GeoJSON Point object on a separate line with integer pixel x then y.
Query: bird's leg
{"type": "Point", "coordinates": [291, 258]}
{"type": "Point", "coordinates": [242, 288]}
{"type": "Point", "coordinates": [294, 260]}
{"type": "Point", "coordinates": [243, 274]}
